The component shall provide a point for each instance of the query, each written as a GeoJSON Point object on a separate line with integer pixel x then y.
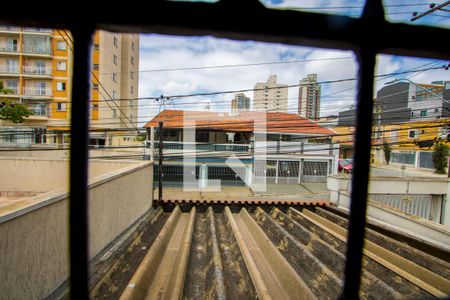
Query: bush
{"type": "Point", "coordinates": [440, 155]}
{"type": "Point", "coordinates": [387, 151]}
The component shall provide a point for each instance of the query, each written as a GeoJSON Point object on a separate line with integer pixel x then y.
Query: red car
{"type": "Point", "coordinates": [345, 165]}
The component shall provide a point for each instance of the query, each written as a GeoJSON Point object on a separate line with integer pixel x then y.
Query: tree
{"type": "Point", "coordinates": [440, 155]}
{"type": "Point", "coordinates": [387, 151]}
{"type": "Point", "coordinates": [9, 110]}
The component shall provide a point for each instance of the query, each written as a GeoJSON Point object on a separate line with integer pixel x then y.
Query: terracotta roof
{"type": "Point", "coordinates": [243, 122]}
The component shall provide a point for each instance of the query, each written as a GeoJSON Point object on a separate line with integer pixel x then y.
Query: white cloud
{"type": "Point", "coordinates": [171, 52]}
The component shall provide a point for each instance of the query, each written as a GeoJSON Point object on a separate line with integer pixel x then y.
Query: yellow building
{"type": "Point", "coordinates": [409, 137]}
{"type": "Point", "coordinates": [36, 65]}
{"type": "Point", "coordinates": [344, 138]}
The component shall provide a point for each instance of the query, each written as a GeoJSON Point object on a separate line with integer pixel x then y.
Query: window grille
{"type": "Point", "coordinates": [367, 36]}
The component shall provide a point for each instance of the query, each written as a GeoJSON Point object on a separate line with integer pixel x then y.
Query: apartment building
{"type": "Point", "coordinates": [271, 96]}
{"type": "Point", "coordinates": [36, 66]}
{"type": "Point", "coordinates": [406, 102]}
{"type": "Point", "coordinates": [309, 97]}
{"type": "Point", "coordinates": [240, 102]}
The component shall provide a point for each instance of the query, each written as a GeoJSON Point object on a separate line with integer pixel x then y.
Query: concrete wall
{"type": "Point", "coordinates": [34, 238]}
{"type": "Point", "coordinates": [339, 187]}
{"type": "Point", "coordinates": [43, 175]}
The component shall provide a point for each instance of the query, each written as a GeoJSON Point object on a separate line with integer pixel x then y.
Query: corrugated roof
{"type": "Point", "coordinates": [265, 252]}
{"type": "Point", "coordinates": [242, 122]}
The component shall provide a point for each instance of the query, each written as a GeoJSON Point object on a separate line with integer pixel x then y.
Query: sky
{"type": "Point", "coordinates": [172, 65]}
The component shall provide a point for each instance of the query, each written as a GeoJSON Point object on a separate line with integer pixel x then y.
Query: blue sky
{"type": "Point", "coordinates": [159, 52]}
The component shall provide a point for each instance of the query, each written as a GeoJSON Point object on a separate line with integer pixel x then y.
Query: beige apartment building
{"type": "Point", "coordinates": [36, 67]}
{"type": "Point", "coordinates": [271, 96]}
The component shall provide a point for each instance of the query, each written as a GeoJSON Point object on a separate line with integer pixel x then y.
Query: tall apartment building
{"type": "Point", "coordinates": [240, 102]}
{"type": "Point", "coordinates": [309, 97]}
{"type": "Point", "coordinates": [115, 78]}
{"type": "Point", "coordinates": [36, 66]}
{"type": "Point", "coordinates": [271, 96]}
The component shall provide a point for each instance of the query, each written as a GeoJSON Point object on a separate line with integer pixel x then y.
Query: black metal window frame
{"type": "Point", "coordinates": [366, 36]}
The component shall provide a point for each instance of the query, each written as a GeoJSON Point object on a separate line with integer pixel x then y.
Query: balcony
{"type": "Point", "coordinates": [36, 71]}
{"type": "Point", "coordinates": [39, 113]}
{"type": "Point", "coordinates": [9, 48]}
{"type": "Point", "coordinates": [37, 30]}
{"type": "Point", "coordinates": [37, 49]}
{"type": "Point", "coordinates": [14, 92]}
{"type": "Point", "coordinates": [39, 92]}
{"type": "Point", "coordinates": [9, 70]}
{"type": "Point", "coordinates": [10, 29]}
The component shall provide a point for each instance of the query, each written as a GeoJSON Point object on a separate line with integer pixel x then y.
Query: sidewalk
{"type": "Point", "coordinates": [396, 170]}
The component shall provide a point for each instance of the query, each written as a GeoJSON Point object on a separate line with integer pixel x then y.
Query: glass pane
{"type": "Point", "coordinates": [335, 7]}
{"type": "Point", "coordinates": [34, 155]}
{"type": "Point", "coordinates": [403, 12]}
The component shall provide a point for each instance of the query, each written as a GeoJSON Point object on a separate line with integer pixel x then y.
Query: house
{"type": "Point", "coordinates": [277, 147]}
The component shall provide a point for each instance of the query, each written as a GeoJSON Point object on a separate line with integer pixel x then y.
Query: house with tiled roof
{"type": "Point", "coordinates": [293, 148]}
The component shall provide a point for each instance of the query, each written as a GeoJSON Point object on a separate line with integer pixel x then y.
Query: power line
{"type": "Point", "coordinates": [98, 81]}
{"type": "Point", "coordinates": [239, 65]}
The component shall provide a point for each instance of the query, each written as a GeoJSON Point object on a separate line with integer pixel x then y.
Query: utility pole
{"type": "Point", "coordinates": [160, 164]}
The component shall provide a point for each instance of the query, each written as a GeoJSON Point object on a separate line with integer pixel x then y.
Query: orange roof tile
{"type": "Point", "coordinates": [243, 122]}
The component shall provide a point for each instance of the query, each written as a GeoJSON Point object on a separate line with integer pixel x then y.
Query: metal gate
{"type": "Point", "coordinates": [267, 169]}
{"type": "Point", "coordinates": [314, 171]}
{"type": "Point", "coordinates": [172, 175]}
{"type": "Point", "coordinates": [403, 158]}
{"type": "Point", "coordinates": [424, 206]}
{"type": "Point", "coordinates": [426, 160]}
{"type": "Point", "coordinates": [226, 175]}
{"type": "Point", "coordinates": [288, 172]}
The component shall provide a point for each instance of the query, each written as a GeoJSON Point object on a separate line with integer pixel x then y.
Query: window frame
{"type": "Point", "coordinates": [366, 36]}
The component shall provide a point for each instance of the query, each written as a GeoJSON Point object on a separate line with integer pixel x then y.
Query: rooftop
{"type": "Point", "coordinates": [265, 252]}
{"type": "Point", "coordinates": [243, 122]}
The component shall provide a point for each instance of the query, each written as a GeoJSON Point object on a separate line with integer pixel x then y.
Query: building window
{"type": "Point", "coordinates": [114, 76]}
{"type": "Point", "coordinates": [436, 110]}
{"type": "Point", "coordinates": [132, 45]}
{"type": "Point", "coordinates": [423, 113]}
{"type": "Point", "coordinates": [61, 66]}
{"type": "Point", "coordinates": [412, 134]}
{"type": "Point", "coordinates": [96, 46]}
{"type": "Point", "coordinates": [60, 86]}
{"type": "Point", "coordinates": [95, 66]}
{"type": "Point", "coordinates": [131, 89]}
{"type": "Point", "coordinates": [95, 86]}
{"type": "Point", "coordinates": [114, 113]}
{"type": "Point", "coordinates": [132, 60]}
{"type": "Point", "coordinates": [115, 59]}
{"type": "Point", "coordinates": [95, 107]}
{"type": "Point", "coordinates": [61, 45]}
{"type": "Point", "coordinates": [60, 106]}
{"type": "Point", "coordinates": [115, 42]}
{"type": "Point", "coordinates": [114, 95]}
{"type": "Point", "coordinates": [132, 75]}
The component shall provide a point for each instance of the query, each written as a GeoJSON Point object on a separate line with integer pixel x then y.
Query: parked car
{"type": "Point", "coordinates": [345, 165]}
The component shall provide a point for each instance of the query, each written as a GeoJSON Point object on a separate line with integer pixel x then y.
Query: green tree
{"type": "Point", "coordinates": [11, 111]}
{"type": "Point", "coordinates": [387, 151]}
{"type": "Point", "coordinates": [440, 155]}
